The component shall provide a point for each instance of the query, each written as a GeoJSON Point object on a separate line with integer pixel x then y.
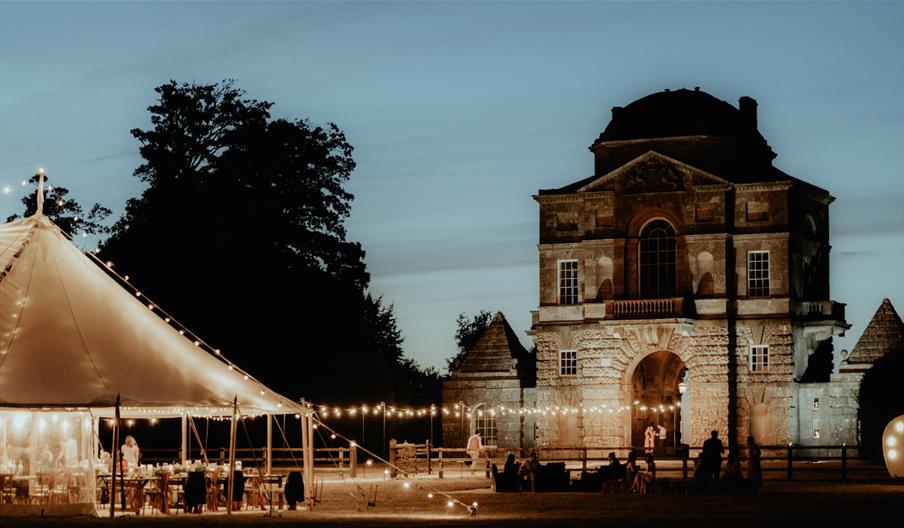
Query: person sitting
{"type": "Point", "coordinates": [294, 489]}
{"type": "Point", "coordinates": [643, 480]}
{"type": "Point", "coordinates": [615, 470]}
{"type": "Point", "coordinates": [528, 471]}
{"type": "Point", "coordinates": [510, 472]}
{"type": "Point", "coordinates": [630, 471]}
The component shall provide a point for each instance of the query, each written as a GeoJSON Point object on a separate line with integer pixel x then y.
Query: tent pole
{"type": "Point", "coordinates": [269, 444]}
{"type": "Point", "coordinates": [114, 458]}
{"type": "Point", "coordinates": [231, 478]}
{"type": "Point", "coordinates": [184, 450]}
{"type": "Point", "coordinates": [309, 468]}
{"type": "Point", "coordinates": [305, 458]}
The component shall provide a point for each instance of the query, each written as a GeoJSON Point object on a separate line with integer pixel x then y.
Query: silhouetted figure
{"type": "Point", "coordinates": [615, 470]}
{"type": "Point", "coordinates": [510, 470]}
{"type": "Point", "coordinates": [528, 470]}
{"type": "Point", "coordinates": [294, 489]}
{"type": "Point", "coordinates": [712, 457]}
{"type": "Point", "coordinates": [754, 471]}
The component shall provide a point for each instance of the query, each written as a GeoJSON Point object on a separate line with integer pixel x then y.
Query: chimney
{"type": "Point", "coordinates": [747, 105]}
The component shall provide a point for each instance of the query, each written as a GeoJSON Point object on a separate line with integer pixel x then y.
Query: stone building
{"type": "Point", "coordinates": [497, 374]}
{"type": "Point", "coordinates": [687, 273]}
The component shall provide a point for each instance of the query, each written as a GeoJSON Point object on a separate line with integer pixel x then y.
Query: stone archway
{"type": "Point", "coordinates": [655, 397]}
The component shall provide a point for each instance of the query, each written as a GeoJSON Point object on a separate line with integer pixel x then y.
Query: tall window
{"type": "Point", "coordinates": [759, 358]}
{"type": "Point", "coordinates": [568, 282]}
{"type": "Point", "coordinates": [657, 260]}
{"type": "Point", "coordinates": [485, 424]}
{"type": "Point", "coordinates": [568, 362]}
{"type": "Point", "coordinates": [757, 273]}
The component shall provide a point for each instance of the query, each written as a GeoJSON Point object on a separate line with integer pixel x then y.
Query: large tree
{"type": "Point", "coordinates": [240, 234]}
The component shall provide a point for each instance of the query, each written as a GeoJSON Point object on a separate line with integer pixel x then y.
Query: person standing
{"type": "Point", "coordinates": [474, 446]}
{"type": "Point", "coordinates": [712, 457]}
{"type": "Point", "coordinates": [662, 438]}
{"type": "Point", "coordinates": [754, 471]}
{"type": "Point", "coordinates": [130, 452]}
{"type": "Point", "coordinates": [649, 439]}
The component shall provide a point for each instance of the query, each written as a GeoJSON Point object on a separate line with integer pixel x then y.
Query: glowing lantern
{"type": "Point", "coordinates": [893, 447]}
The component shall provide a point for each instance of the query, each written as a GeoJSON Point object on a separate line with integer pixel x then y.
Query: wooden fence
{"type": "Point", "coordinates": [786, 461]}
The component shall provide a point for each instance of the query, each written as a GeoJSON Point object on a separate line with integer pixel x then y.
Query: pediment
{"type": "Point", "coordinates": [652, 172]}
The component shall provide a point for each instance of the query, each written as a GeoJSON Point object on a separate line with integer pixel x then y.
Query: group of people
{"type": "Point", "coordinates": [636, 479]}
{"type": "Point", "coordinates": [709, 463]}
{"type": "Point", "coordinates": [652, 435]}
{"type": "Point", "coordinates": [523, 473]}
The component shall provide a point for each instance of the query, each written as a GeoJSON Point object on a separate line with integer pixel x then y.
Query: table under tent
{"type": "Point", "coordinates": [73, 338]}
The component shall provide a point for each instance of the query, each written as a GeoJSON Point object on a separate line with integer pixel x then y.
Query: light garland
{"type": "Point", "coordinates": [393, 411]}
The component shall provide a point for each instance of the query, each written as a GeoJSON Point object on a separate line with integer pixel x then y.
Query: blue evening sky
{"type": "Point", "coordinates": [460, 111]}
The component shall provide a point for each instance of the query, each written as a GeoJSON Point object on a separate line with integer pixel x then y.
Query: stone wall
{"type": "Point", "coordinates": [513, 430]}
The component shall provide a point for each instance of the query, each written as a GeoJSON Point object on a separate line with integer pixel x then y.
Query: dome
{"type": "Point", "coordinates": [680, 113]}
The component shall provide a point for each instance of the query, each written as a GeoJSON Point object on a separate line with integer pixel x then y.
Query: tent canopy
{"type": "Point", "coordinates": [71, 336]}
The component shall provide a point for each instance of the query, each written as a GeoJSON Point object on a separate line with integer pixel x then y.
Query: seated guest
{"type": "Point", "coordinates": [528, 470]}
{"type": "Point", "coordinates": [643, 481]}
{"type": "Point", "coordinates": [614, 471]}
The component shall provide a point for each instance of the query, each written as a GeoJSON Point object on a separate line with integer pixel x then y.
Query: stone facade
{"type": "Point", "coordinates": [685, 203]}
{"type": "Point", "coordinates": [494, 378]}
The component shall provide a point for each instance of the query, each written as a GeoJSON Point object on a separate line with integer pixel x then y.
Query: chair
{"type": "Point", "coordinates": [238, 489]}
{"type": "Point", "coordinates": [195, 491]}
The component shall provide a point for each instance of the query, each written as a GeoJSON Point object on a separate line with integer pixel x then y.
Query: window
{"type": "Point", "coordinates": [816, 428]}
{"type": "Point", "coordinates": [759, 358]}
{"type": "Point", "coordinates": [485, 424]}
{"type": "Point", "coordinates": [757, 273]}
{"type": "Point", "coordinates": [815, 404]}
{"type": "Point", "coordinates": [657, 260]}
{"type": "Point", "coordinates": [568, 362]}
{"type": "Point", "coordinates": [568, 282]}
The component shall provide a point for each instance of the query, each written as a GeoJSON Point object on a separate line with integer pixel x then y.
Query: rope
{"type": "Point", "coordinates": [472, 509]}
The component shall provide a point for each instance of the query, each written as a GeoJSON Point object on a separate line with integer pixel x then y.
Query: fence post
{"type": "Point", "coordinates": [790, 463]}
{"type": "Point", "coordinates": [392, 456]}
{"type": "Point", "coordinates": [440, 463]}
{"type": "Point", "coordinates": [843, 462]}
{"type": "Point", "coordinates": [429, 461]}
{"type": "Point", "coordinates": [341, 457]}
{"type": "Point", "coordinates": [353, 459]}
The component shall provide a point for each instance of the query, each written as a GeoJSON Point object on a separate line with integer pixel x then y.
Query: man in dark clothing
{"type": "Point", "coordinates": [712, 457]}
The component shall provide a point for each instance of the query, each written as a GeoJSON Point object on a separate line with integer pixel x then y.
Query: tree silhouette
{"type": "Point", "coordinates": [240, 234]}
{"type": "Point", "coordinates": [469, 330]}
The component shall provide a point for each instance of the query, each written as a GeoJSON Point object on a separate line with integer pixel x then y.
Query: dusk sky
{"type": "Point", "coordinates": [460, 112]}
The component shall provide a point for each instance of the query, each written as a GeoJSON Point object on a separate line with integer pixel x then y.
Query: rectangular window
{"type": "Point", "coordinates": [757, 273]}
{"type": "Point", "coordinates": [816, 428]}
{"type": "Point", "coordinates": [568, 282]}
{"type": "Point", "coordinates": [759, 358]}
{"type": "Point", "coordinates": [815, 404]}
{"type": "Point", "coordinates": [568, 362]}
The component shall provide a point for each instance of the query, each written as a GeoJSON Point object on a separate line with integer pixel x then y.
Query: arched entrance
{"type": "Point", "coordinates": [656, 397]}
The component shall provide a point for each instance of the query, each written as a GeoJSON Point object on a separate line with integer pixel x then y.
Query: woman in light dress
{"type": "Point", "coordinates": [130, 452]}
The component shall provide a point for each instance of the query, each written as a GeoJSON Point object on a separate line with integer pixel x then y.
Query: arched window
{"type": "Point", "coordinates": [484, 422]}
{"type": "Point", "coordinates": [657, 260]}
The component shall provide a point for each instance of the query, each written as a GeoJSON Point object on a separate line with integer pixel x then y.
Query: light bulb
{"type": "Point", "coordinates": [7, 190]}
{"type": "Point", "coordinates": [430, 495]}
{"type": "Point", "coordinates": [406, 485]}
{"type": "Point", "coordinates": [450, 504]}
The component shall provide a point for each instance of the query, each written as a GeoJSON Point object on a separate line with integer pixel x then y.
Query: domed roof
{"type": "Point", "coordinates": [679, 113]}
